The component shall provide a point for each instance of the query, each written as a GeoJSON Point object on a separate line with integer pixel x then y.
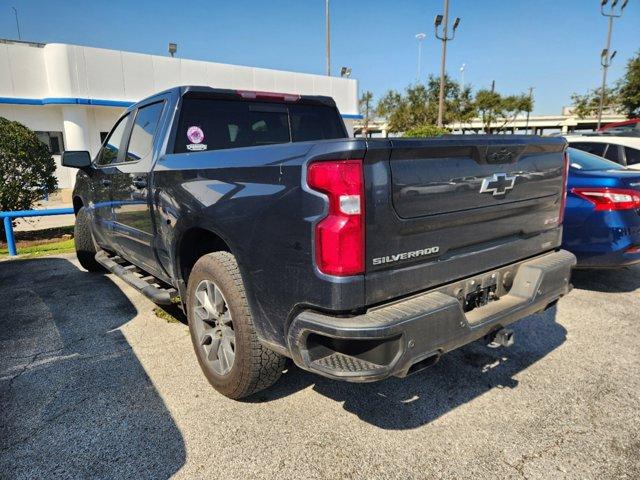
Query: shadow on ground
{"type": "Point", "coordinates": [77, 402]}
{"type": "Point", "coordinates": [609, 281]}
{"type": "Point", "coordinates": [74, 399]}
{"type": "Point", "coordinates": [458, 378]}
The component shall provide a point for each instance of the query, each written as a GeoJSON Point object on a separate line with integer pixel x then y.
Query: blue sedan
{"type": "Point", "coordinates": [602, 216]}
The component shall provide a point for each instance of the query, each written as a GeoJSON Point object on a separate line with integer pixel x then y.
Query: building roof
{"type": "Point", "coordinates": [54, 73]}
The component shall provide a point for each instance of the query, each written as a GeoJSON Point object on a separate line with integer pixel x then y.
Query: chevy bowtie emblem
{"type": "Point", "coordinates": [498, 184]}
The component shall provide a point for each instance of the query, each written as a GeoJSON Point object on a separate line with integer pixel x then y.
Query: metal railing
{"type": "Point", "coordinates": [8, 227]}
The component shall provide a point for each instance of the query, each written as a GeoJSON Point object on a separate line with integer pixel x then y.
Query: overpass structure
{"type": "Point", "coordinates": [566, 122]}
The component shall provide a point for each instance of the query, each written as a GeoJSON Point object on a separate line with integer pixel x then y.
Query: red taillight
{"type": "Point", "coordinates": [284, 97]}
{"type": "Point", "coordinates": [339, 237]}
{"type": "Point", "coordinates": [610, 199]}
{"type": "Point", "coordinates": [565, 179]}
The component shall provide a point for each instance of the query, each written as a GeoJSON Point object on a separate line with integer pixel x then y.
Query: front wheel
{"type": "Point", "coordinates": [85, 247]}
{"type": "Point", "coordinates": [232, 358]}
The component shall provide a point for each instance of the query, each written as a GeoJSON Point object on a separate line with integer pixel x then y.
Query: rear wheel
{"type": "Point", "coordinates": [222, 332]}
{"type": "Point", "coordinates": [85, 248]}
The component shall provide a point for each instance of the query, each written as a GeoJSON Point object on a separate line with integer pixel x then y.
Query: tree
{"type": "Point", "coordinates": [425, 131]}
{"type": "Point", "coordinates": [418, 106]}
{"type": "Point", "coordinates": [458, 102]}
{"type": "Point", "coordinates": [587, 105]}
{"type": "Point", "coordinates": [366, 107]}
{"type": "Point", "coordinates": [629, 87]}
{"type": "Point", "coordinates": [495, 108]}
{"type": "Point", "coordinates": [403, 112]}
{"type": "Point", "coordinates": [512, 106]}
{"type": "Point", "coordinates": [389, 103]}
{"type": "Point", "coordinates": [26, 167]}
{"type": "Point", "coordinates": [624, 97]}
{"type": "Point", "coordinates": [488, 104]}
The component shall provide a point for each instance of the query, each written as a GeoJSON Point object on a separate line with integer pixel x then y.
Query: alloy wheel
{"type": "Point", "coordinates": [214, 327]}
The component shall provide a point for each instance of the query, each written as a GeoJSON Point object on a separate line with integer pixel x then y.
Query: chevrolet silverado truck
{"type": "Point", "coordinates": [280, 236]}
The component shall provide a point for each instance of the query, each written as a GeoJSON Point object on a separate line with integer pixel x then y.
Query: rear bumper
{"type": "Point", "coordinates": [401, 337]}
{"type": "Point", "coordinates": [617, 259]}
{"type": "Point", "coordinates": [605, 239]}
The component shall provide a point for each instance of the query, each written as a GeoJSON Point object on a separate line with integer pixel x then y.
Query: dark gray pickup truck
{"type": "Point", "coordinates": [282, 237]}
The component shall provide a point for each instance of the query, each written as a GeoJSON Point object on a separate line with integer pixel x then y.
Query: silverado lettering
{"type": "Point", "coordinates": [405, 255]}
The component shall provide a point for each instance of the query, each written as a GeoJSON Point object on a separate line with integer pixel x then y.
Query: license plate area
{"type": "Point", "coordinates": [479, 297]}
{"type": "Point", "coordinates": [479, 291]}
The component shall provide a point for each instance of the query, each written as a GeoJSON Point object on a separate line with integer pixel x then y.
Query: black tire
{"type": "Point", "coordinates": [254, 367]}
{"type": "Point", "coordinates": [85, 248]}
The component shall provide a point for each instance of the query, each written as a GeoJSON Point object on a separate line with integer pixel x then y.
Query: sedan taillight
{"type": "Point", "coordinates": [610, 199]}
{"type": "Point", "coordinates": [339, 237]}
{"type": "Point", "coordinates": [565, 179]}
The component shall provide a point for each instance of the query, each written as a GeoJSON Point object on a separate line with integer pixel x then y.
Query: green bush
{"type": "Point", "coordinates": [425, 131]}
{"type": "Point", "coordinates": [26, 168]}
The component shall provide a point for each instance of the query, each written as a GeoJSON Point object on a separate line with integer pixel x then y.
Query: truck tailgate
{"type": "Point", "coordinates": [442, 209]}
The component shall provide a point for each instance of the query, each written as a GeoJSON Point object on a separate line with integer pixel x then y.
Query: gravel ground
{"type": "Point", "coordinates": [94, 384]}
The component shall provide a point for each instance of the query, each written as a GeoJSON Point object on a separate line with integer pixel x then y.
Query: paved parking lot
{"type": "Point", "coordinates": [93, 383]}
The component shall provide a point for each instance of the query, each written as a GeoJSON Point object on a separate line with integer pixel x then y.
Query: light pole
{"type": "Point", "coordinates": [462, 75]}
{"type": "Point", "coordinates": [420, 37]}
{"type": "Point", "coordinates": [327, 36]}
{"type": "Point", "coordinates": [526, 128]}
{"type": "Point", "coordinates": [15, 12]}
{"type": "Point", "coordinates": [606, 56]}
{"type": "Point", "coordinates": [444, 38]}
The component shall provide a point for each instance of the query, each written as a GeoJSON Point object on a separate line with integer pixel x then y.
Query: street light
{"type": "Point", "coordinates": [420, 37]}
{"type": "Point", "coordinates": [15, 12]}
{"type": "Point", "coordinates": [462, 67]}
{"type": "Point", "coordinates": [327, 33]}
{"type": "Point", "coordinates": [606, 56]}
{"type": "Point", "coordinates": [173, 48]}
{"type": "Point", "coordinates": [526, 128]}
{"type": "Point", "coordinates": [345, 72]}
{"type": "Point", "coordinates": [444, 21]}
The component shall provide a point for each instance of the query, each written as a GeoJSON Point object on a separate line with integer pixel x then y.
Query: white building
{"type": "Point", "coordinates": [72, 95]}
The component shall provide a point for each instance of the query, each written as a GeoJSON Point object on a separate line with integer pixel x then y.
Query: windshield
{"type": "Point", "coordinates": [584, 161]}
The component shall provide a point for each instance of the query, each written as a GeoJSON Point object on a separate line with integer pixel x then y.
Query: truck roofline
{"type": "Point", "coordinates": [238, 94]}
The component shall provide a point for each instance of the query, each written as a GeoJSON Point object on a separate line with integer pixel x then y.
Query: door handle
{"type": "Point", "coordinates": [139, 182]}
{"type": "Point", "coordinates": [106, 182]}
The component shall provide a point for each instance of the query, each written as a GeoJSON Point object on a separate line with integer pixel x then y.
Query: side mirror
{"type": "Point", "coordinates": [76, 159]}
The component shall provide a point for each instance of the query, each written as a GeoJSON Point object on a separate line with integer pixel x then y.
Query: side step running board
{"type": "Point", "coordinates": [137, 278]}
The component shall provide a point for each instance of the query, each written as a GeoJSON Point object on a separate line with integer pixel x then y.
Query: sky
{"type": "Point", "coordinates": [551, 45]}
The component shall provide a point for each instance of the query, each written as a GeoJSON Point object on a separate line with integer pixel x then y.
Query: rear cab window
{"type": "Point", "coordinates": [214, 124]}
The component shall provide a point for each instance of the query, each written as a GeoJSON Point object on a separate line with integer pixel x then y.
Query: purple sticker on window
{"type": "Point", "coordinates": [195, 134]}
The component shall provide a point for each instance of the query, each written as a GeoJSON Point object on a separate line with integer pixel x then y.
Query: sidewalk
{"type": "Point", "coordinates": [42, 223]}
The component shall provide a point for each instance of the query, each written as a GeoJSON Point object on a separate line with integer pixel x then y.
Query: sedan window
{"type": "Point", "coordinates": [580, 160]}
{"type": "Point", "coordinates": [633, 155]}
{"type": "Point", "coordinates": [590, 147]}
{"type": "Point", "coordinates": [613, 153]}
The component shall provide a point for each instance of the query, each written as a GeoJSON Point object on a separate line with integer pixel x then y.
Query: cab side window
{"type": "Point", "coordinates": [143, 130]}
{"type": "Point", "coordinates": [109, 152]}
